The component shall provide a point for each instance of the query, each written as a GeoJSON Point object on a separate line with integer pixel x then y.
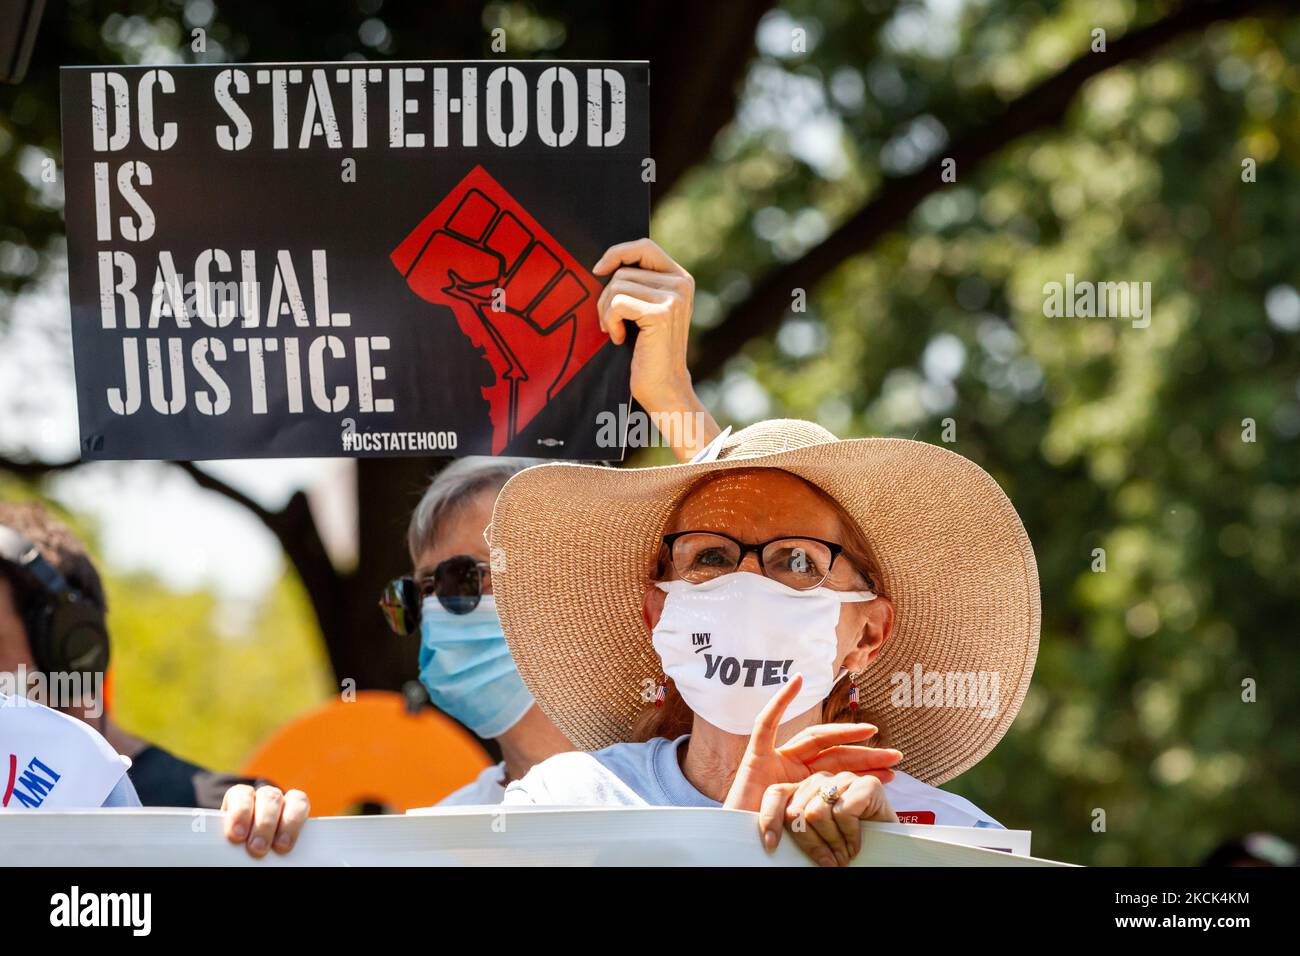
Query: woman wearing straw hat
{"type": "Point", "coordinates": [750, 630]}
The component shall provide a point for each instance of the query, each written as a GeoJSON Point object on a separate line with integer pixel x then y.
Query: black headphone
{"type": "Point", "coordinates": [65, 629]}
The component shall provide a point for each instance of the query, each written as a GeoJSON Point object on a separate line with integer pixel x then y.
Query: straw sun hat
{"type": "Point", "coordinates": [573, 547]}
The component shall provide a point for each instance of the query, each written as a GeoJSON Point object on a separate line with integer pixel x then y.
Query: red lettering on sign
{"type": "Point", "coordinates": [916, 816]}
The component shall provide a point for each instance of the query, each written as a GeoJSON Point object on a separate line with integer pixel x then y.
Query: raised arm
{"type": "Point", "coordinates": [650, 290]}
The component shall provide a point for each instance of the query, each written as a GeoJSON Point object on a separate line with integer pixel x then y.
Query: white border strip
{"type": "Point", "coordinates": [463, 837]}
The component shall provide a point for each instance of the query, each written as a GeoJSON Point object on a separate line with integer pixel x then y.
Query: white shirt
{"type": "Point", "coordinates": [649, 774]}
{"type": "Point", "coordinates": [487, 789]}
{"type": "Point", "coordinates": [123, 794]}
{"type": "Point", "coordinates": [49, 760]}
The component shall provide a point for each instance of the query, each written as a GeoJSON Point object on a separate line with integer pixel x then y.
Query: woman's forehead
{"type": "Point", "coordinates": [758, 504]}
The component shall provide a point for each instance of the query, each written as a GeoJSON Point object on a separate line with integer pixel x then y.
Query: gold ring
{"type": "Point", "coordinates": [830, 794]}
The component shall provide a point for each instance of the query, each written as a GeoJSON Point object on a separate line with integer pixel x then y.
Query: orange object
{"type": "Point", "coordinates": [345, 755]}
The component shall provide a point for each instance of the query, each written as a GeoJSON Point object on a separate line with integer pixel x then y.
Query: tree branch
{"type": "Point", "coordinates": [1043, 106]}
{"type": "Point", "coordinates": [213, 483]}
{"type": "Point", "coordinates": [295, 529]}
{"type": "Point", "coordinates": [692, 96]}
{"type": "Point", "coordinates": [293, 526]}
{"type": "Point", "coordinates": [34, 470]}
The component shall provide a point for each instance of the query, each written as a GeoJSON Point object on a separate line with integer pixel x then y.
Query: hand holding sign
{"type": "Point", "coordinates": [767, 771]}
{"type": "Point", "coordinates": [263, 819]}
{"type": "Point", "coordinates": [650, 290]}
{"type": "Point", "coordinates": [823, 814]}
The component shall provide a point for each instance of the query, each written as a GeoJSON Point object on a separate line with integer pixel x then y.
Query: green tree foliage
{"type": "Point", "coordinates": [208, 679]}
{"type": "Point", "coordinates": [1105, 435]}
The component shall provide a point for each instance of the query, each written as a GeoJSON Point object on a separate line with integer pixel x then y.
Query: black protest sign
{"type": "Point", "coordinates": [349, 258]}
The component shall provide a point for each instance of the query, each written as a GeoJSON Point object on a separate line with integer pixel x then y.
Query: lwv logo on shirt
{"type": "Point", "coordinates": [32, 786]}
{"type": "Point", "coordinates": [75, 908]}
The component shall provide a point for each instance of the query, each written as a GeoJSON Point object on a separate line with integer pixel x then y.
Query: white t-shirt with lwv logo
{"type": "Point", "coordinates": [51, 761]}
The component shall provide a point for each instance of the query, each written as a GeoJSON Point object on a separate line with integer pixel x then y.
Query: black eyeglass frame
{"type": "Point", "coordinates": [757, 549]}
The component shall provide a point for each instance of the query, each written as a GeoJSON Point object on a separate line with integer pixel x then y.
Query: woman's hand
{"type": "Point", "coordinates": [263, 819]}
{"type": "Point", "coordinates": [648, 289]}
{"type": "Point", "coordinates": [824, 748]}
{"type": "Point", "coordinates": [826, 830]}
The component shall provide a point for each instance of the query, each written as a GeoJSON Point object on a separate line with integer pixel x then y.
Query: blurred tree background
{"type": "Point", "coordinates": [800, 146]}
{"type": "Point", "coordinates": [204, 676]}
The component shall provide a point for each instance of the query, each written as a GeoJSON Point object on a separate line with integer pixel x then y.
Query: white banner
{"type": "Point", "coordinates": [475, 836]}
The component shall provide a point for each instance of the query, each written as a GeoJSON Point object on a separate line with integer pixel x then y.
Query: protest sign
{"type": "Point", "coordinates": [483, 836]}
{"type": "Point", "coordinates": [355, 259]}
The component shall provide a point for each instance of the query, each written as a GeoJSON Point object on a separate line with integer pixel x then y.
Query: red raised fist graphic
{"type": "Point", "coordinates": [514, 291]}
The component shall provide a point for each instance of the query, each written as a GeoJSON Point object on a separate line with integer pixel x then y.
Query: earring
{"type": "Point", "coordinates": [853, 691]}
{"type": "Point", "coordinates": [660, 695]}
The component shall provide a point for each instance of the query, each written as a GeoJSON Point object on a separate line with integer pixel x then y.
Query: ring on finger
{"type": "Point", "coordinates": [830, 794]}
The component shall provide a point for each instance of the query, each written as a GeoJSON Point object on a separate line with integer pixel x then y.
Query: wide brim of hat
{"type": "Point", "coordinates": [574, 547]}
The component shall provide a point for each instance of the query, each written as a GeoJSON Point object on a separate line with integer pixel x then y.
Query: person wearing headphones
{"type": "Point", "coordinates": [52, 628]}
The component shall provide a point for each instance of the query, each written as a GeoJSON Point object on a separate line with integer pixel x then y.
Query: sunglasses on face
{"type": "Point", "coordinates": [457, 583]}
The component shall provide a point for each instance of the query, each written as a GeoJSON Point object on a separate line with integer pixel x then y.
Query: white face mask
{"type": "Point", "coordinates": [731, 643]}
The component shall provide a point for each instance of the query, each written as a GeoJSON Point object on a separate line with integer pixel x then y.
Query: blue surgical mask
{"type": "Point", "coordinates": [467, 668]}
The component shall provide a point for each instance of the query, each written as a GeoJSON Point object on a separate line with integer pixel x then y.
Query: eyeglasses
{"type": "Point", "coordinates": [457, 583]}
{"type": "Point", "coordinates": [799, 563]}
